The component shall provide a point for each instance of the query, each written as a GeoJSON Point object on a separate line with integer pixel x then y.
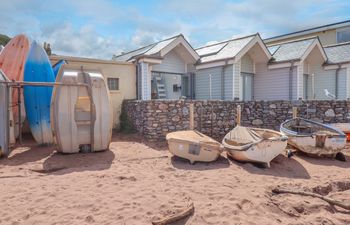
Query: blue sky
{"type": "Point", "coordinates": [101, 28]}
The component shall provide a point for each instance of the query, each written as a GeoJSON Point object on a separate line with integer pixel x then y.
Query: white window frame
{"type": "Point", "coordinates": [341, 30]}
{"type": "Point", "coordinates": [117, 84]}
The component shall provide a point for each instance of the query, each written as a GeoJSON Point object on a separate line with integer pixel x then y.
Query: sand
{"type": "Point", "coordinates": [136, 182]}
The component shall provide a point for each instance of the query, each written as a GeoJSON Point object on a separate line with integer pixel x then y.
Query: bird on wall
{"type": "Point", "coordinates": [328, 94]}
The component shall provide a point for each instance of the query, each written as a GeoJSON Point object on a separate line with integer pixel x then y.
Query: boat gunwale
{"type": "Point", "coordinates": [245, 147]}
{"type": "Point", "coordinates": [289, 132]}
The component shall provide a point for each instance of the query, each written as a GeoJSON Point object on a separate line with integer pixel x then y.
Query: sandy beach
{"type": "Point", "coordinates": [136, 182]}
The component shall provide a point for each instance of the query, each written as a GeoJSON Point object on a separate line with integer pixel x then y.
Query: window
{"type": "Point", "coordinates": [343, 35]}
{"type": "Point", "coordinates": [113, 84]}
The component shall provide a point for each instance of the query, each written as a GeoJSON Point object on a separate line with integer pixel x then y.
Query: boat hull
{"type": "Point", "coordinates": [71, 112]}
{"type": "Point", "coordinates": [322, 141]}
{"type": "Point", "coordinates": [37, 99]}
{"type": "Point", "coordinates": [12, 60]}
{"type": "Point", "coordinates": [262, 152]}
{"type": "Point", "coordinates": [308, 145]}
{"type": "Point", "coordinates": [201, 149]}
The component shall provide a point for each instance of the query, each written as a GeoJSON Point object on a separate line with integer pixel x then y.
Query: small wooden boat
{"type": "Point", "coordinates": [254, 144]}
{"type": "Point", "coordinates": [194, 146]}
{"type": "Point", "coordinates": [313, 138]}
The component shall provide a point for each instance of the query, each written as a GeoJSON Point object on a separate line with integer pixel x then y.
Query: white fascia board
{"type": "Point", "coordinates": [282, 65]}
{"type": "Point", "coordinates": [315, 44]}
{"type": "Point", "coordinates": [210, 65]}
{"type": "Point", "coordinates": [150, 60]}
{"type": "Point", "coordinates": [246, 48]}
{"type": "Point", "coordinates": [334, 67]}
{"type": "Point", "coordinates": [176, 42]}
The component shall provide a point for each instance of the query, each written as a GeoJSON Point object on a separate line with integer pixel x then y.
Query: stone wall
{"type": "Point", "coordinates": [155, 118]}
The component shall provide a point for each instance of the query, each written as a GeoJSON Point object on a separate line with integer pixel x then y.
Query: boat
{"type": "Point", "coordinates": [313, 138]}
{"type": "Point", "coordinates": [4, 116]}
{"type": "Point", "coordinates": [12, 60]}
{"type": "Point", "coordinates": [194, 146]}
{"type": "Point", "coordinates": [37, 99]}
{"type": "Point", "coordinates": [254, 145]}
{"type": "Point", "coordinates": [81, 115]}
{"type": "Point", "coordinates": [344, 127]}
{"type": "Point", "coordinates": [57, 66]}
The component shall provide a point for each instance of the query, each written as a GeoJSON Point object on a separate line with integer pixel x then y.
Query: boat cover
{"type": "Point", "coordinates": [243, 135]}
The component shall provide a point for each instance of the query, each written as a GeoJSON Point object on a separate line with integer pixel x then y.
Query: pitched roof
{"type": "Point", "coordinates": [309, 31]}
{"type": "Point", "coordinates": [291, 50]}
{"type": "Point", "coordinates": [223, 50]}
{"type": "Point", "coordinates": [149, 50]}
{"type": "Point", "coordinates": [339, 53]}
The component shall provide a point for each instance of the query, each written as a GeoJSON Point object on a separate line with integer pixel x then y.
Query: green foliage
{"type": "Point", "coordinates": [4, 39]}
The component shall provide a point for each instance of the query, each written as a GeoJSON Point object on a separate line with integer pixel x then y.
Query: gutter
{"type": "Point", "coordinates": [223, 80]}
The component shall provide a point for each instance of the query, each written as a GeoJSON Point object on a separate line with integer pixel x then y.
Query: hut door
{"type": "Point", "coordinates": [247, 86]}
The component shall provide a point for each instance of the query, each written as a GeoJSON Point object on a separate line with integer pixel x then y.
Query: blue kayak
{"type": "Point", "coordinates": [37, 99]}
{"type": "Point", "coordinates": [57, 66]}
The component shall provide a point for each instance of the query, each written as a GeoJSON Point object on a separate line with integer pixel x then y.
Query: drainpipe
{"type": "Point", "coordinates": [336, 81]}
{"type": "Point", "coordinates": [291, 80]}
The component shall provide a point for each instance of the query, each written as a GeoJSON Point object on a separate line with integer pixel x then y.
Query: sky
{"type": "Point", "coordinates": [101, 28]}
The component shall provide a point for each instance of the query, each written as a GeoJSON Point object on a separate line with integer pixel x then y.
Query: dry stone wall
{"type": "Point", "coordinates": [155, 118]}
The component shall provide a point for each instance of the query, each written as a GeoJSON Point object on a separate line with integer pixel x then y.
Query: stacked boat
{"type": "Point", "coordinates": [76, 108]}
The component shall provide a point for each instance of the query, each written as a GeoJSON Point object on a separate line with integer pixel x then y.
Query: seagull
{"type": "Point", "coordinates": [328, 94]}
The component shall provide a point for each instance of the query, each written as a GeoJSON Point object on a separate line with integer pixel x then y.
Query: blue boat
{"type": "Point", "coordinates": [57, 66]}
{"type": "Point", "coordinates": [37, 100]}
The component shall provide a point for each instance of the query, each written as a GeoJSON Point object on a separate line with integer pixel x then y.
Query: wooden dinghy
{"type": "Point", "coordinates": [254, 144]}
{"type": "Point", "coordinates": [313, 138]}
{"type": "Point", "coordinates": [194, 146]}
{"type": "Point", "coordinates": [81, 115]}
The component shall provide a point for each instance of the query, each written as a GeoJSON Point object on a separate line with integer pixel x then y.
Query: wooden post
{"type": "Point", "coordinates": [295, 112]}
{"type": "Point", "coordinates": [191, 116]}
{"type": "Point", "coordinates": [239, 112]}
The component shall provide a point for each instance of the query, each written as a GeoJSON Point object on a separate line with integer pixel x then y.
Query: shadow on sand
{"type": "Point", "coordinates": [184, 164]}
{"type": "Point", "coordinates": [59, 164]}
{"type": "Point", "coordinates": [137, 137]}
{"type": "Point", "coordinates": [324, 161]}
{"type": "Point", "coordinates": [281, 166]}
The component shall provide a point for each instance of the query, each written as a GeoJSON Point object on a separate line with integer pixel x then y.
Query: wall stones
{"type": "Point", "coordinates": [155, 118]}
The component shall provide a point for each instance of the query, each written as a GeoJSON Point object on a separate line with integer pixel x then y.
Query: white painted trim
{"type": "Point", "coordinates": [314, 44]}
{"type": "Point", "coordinates": [176, 42]}
{"type": "Point", "coordinates": [334, 67]}
{"type": "Point", "coordinates": [150, 60]}
{"type": "Point", "coordinates": [282, 65]}
{"type": "Point", "coordinates": [247, 47]}
{"type": "Point", "coordinates": [210, 65]}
